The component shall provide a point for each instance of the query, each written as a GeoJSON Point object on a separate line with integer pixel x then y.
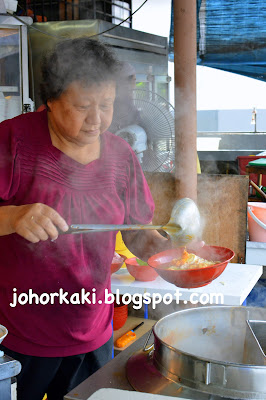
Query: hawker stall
{"type": "Point", "coordinates": [205, 344]}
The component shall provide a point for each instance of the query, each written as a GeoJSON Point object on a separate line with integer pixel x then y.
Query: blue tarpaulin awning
{"type": "Point", "coordinates": [231, 36]}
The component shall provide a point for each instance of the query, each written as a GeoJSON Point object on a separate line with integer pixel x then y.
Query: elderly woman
{"type": "Point", "coordinates": [58, 167]}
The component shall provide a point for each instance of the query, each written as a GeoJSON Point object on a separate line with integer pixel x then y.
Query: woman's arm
{"type": "Point", "coordinates": [34, 222]}
{"type": "Point", "coordinates": [145, 243]}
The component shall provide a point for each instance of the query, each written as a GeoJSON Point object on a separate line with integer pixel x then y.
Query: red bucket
{"type": "Point", "coordinates": [257, 221]}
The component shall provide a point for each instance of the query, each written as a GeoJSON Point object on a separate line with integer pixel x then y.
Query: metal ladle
{"type": "Point", "coordinates": [183, 227]}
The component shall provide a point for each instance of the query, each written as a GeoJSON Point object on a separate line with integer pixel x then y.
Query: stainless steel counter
{"type": "Point", "coordinates": [113, 375]}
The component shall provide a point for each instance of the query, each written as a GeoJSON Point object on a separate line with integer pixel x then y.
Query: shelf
{"type": "Point", "coordinates": [255, 199]}
{"type": "Point", "coordinates": [9, 89]}
{"type": "Point", "coordinates": [255, 170]}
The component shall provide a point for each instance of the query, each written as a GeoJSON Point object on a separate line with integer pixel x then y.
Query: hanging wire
{"type": "Point", "coordinates": [97, 34]}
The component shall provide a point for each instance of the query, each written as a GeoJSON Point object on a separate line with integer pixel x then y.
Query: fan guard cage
{"type": "Point", "coordinates": [157, 119]}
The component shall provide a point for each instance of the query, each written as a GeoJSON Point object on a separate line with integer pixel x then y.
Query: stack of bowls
{"type": "Point", "coordinates": [120, 315]}
{"type": "Point", "coordinates": [117, 262]}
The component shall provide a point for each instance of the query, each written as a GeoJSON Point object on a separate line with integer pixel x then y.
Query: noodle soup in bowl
{"type": "Point", "coordinates": [171, 265]}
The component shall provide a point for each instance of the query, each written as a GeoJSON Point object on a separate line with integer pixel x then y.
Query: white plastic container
{"type": "Point", "coordinates": [11, 5]}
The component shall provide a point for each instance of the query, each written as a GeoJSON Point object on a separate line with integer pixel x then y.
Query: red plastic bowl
{"type": "Point", "coordinates": [191, 278]}
{"type": "Point", "coordinates": [115, 266]}
{"type": "Point", "coordinates": [140, 272]}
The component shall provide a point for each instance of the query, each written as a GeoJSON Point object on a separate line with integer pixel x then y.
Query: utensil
{"type": "Point", "coordinates": [191, 278]}
{"type": "Point", "coordinates": [258, 189]}
{"type": "Point", "coordinates": [255, 342]}
{"type": "Point", "coordinates": [127, 337]}
{"type": "Point", "coordinates": [183, 227]}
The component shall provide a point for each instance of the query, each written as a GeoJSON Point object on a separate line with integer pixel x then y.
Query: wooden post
{"type": "Point", "coordinates": [185, 58]}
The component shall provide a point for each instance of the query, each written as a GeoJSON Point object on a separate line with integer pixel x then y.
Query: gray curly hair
{"type": "Point", "coordinates": [81, 59]}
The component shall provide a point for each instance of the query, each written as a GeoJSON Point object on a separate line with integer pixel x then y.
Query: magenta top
{"type": "Point", "coordinates": [110, 190]}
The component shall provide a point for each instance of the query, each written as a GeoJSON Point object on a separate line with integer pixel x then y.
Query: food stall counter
{"type": "Point", "coordinates": [234, 284]}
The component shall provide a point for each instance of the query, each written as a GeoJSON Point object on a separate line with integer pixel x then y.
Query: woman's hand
{"type": "Point", "coordinates": [36, 222]}
{"type": "Point", "coordinates": [145, 243]}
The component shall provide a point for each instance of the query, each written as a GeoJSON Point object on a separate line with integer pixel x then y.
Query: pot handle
{"type": "Point", "coordinates": [151, 346]}
{"type": "Point", "coordinates": [256, 219]}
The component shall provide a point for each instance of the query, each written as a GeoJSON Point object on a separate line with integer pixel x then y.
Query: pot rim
{"type": "Point", "coordinates": [191, 355]}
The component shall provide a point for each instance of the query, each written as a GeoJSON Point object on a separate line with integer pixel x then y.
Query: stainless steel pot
{"type": "Point", "coordinates": [214, 350]}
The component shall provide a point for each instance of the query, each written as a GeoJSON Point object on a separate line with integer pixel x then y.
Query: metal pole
{"type": "Point", "coordinates": [185, 57]}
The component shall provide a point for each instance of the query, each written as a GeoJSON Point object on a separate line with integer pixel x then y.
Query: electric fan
{"type": "Point", "coordinates": [151, 132]}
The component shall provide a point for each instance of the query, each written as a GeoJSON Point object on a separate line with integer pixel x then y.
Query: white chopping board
{"type": "Point", "coordinates": [117, 394]}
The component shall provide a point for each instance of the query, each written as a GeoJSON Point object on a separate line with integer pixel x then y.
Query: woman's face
{"type": "Point", "coordinates": [81, 114]}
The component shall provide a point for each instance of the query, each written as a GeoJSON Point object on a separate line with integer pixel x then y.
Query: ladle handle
{"type": "Point", "coordinates": [86, 228]}
{"type": "Point", "coordinates": [151, 346]}
{"type": "Point", "coordinates": [258, 189]}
